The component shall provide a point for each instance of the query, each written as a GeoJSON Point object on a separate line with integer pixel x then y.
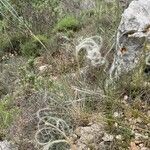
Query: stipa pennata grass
{"type": "Point", "coordinates": [147, 60]}
{"type": "Point", "coordinates": [92, 46]}
{"type": "Point", "coordinates": [53, 132]}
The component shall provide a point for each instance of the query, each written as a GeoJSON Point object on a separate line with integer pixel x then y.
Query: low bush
{"type": "Point", "coordinates": [33, 47]}
{"type": "Point", "coordinates": [68, 23]}
{"type": "Point", "coordinates": [11, 43]}
{"type": "Point", "coordinates": [7, 113]}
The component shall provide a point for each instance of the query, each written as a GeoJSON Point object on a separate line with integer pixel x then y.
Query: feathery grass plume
{"type": "Point", "coordinates": [52, 132]}
{"type": "Point", "coordinates": [92, 45]}
{"type": "Point", "coordinates": [148, 60]}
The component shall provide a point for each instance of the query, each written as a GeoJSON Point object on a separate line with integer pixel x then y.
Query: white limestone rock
{"type": "Point", "coordinates": [88, 135]}
{"type": "Point", "coordinates": [5, 145]}
{"type": "Point", "coordinates": [133, 30]}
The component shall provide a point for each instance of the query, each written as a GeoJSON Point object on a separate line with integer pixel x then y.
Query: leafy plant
{"type": "Point", "coordinates": [33, 47]}
{"type": "Point", "coordinates": [68, 23]}
{"type": "Point", "coordinates": [11, 43]}
{"type": "Point", "coordinates": [7, 112]}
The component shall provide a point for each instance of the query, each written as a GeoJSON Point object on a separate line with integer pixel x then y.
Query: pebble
{"type": "Point", "coordinates": [145, 148]}
{"type": "Point", "coordinates": [126, 97]}
{"type": "Point", "coordinates": [43, 68]}
{"type": "Point", "coordinates": [117, 114]}
{"type": "Point", "coordinates": [139, 120]}
{"type": "Point", "coordinates": [118, 137]}
{"type": "Point", "coordinates": [141, 145]}
{"type": "Point", "coordinates": [108, 137]}
{"type": "Point", "coordinates": [116, 124]}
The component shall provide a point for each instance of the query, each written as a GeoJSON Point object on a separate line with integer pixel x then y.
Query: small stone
{"type": "Point", "coordinates": [90, 123]}
{"type": "Point", "coordinates": [116, 124]}
{"type": "Point", "coordinates": [116, 114]}
{"type": "Point", "coordinates": [130, 120]}
{"type": "Point", "coordinates": [126, 97]}
{"type": "Point", "coordinates": [119, 137]}
{"type": "Point", "coordinates": [144, 148]}
{"type": "Point", "coordinates": [148, 113]}
{"type": "Point", "coordinates": [86, 136]}
{"type": "Point", "coordinates": [87, 5]}
{"type": "Point", "coordinates": [43, 68]}
{"type": "Point", "coordinates": [101, 146]}
{"type": "Point", "coordinates": [141, 145]}
{"type": "Point", "coordinates": [139, 120]}
{"type": "Point", "coordinates": [108, 137]}
{"type": "Point", "coordinates": [78, 131]}
{"type": "Point", "coordinates": [74, 137]}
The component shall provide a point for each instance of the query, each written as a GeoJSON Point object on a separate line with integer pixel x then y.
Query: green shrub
{"type": "Point", "coordinates": [33, 47]}
{"type": "Point", "coordinates": [4, 43]}
{"type": "Point", "coordinates": [68, 23]}
{"type": "Point", "coordinates": [11, 43]}
{"type": "Point", "coordinates": [7, 112]}
{"type": "Point", "coordinates": [3, 89]}
{"type": "Point", "coordinates": [29, 49]}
